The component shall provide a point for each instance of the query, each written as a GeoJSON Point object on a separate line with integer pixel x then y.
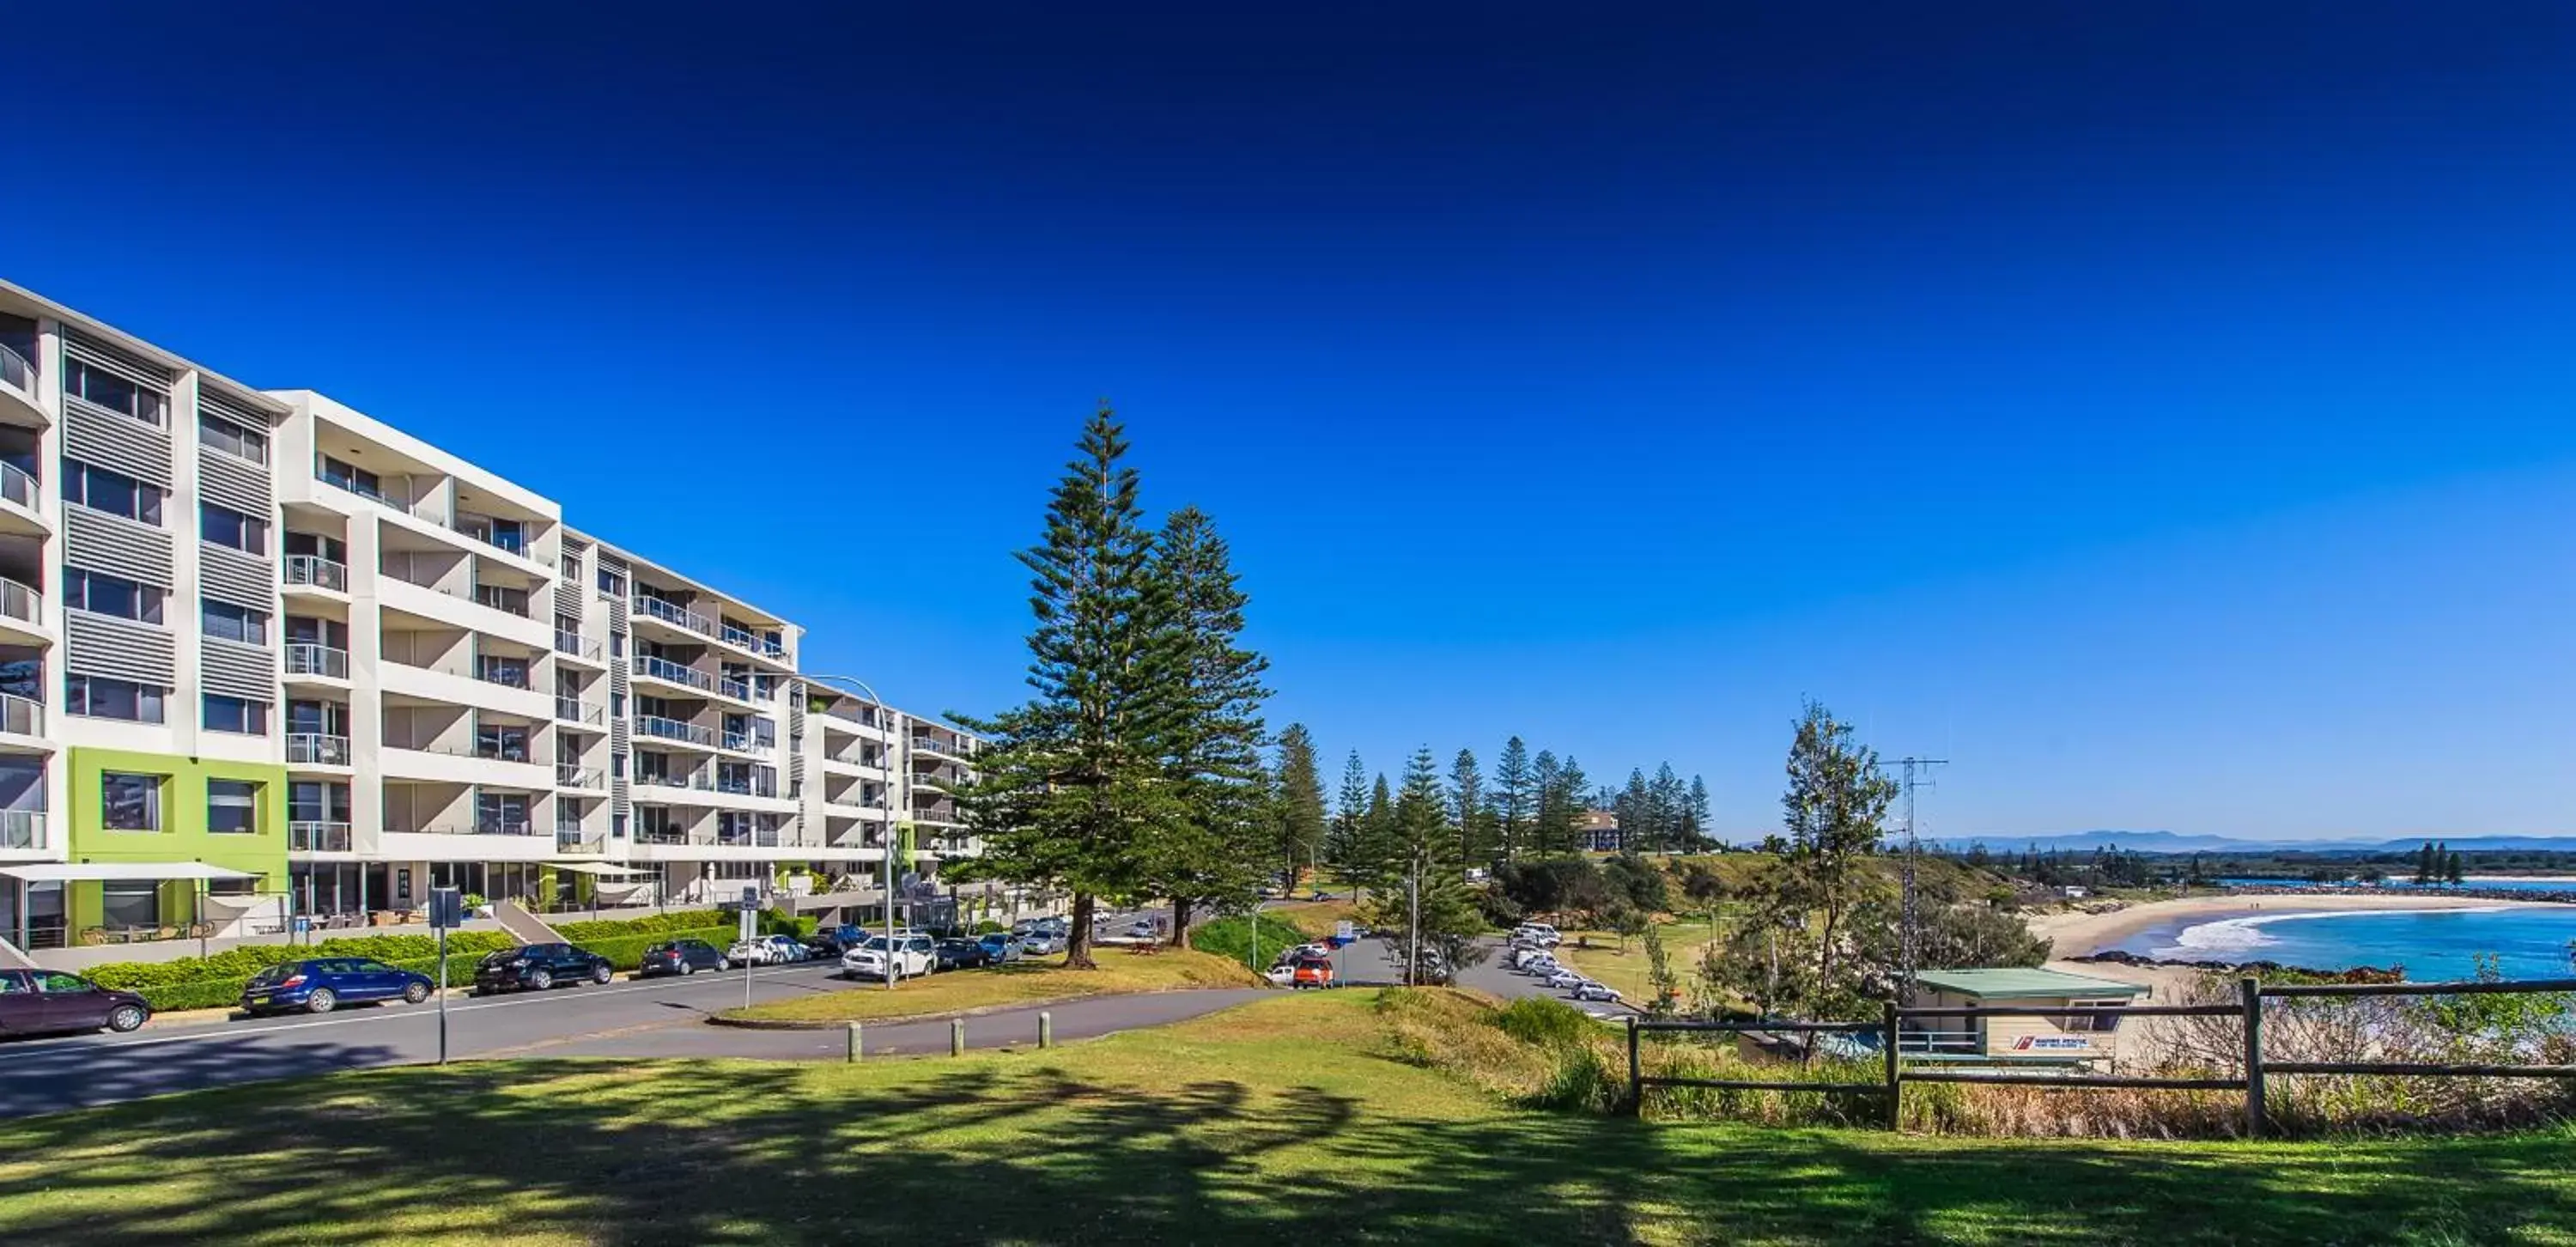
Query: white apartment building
{"type": "Point", "coordinates": [262, 655]}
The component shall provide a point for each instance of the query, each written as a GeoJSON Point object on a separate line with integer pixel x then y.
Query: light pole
{"type": "Point", "coordinates": [886, 848]}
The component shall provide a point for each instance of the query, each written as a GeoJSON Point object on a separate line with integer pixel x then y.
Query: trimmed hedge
{"type": "Point", "coordinates": [216, 981]}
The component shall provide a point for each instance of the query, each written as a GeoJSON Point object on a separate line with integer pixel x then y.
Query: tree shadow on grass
{"type": "Point", "coordinates": [744, 1153]}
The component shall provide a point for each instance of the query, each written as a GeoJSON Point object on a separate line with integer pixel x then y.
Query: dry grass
{"type": "Point", "coordinates": [1021, 983]}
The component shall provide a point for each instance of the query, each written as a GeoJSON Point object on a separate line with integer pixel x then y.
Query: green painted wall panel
{"type": "Point", "coordinates": [183, 836]}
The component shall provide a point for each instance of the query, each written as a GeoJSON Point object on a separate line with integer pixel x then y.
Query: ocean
{"type": "Point", "coordinates": [2532, 942]}
{"type": "Point", "coordinates": [2409, 885]}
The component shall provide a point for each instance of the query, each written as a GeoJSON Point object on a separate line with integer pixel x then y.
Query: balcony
{"type": "Point", "coordinates": [499, 598]}
{"type": "Point", "coordinates": [19, 490]}
{"type": "Point", "coordinates": [672, 729]}
{"type": "Point", "coordinates": [568, 775]}
{"type": "Point", "coordinates": [573, 840]}
{"type": "Point", "coordinates": [17, 373]}
{"type": "Point", "coordinates": [502, 825]}
{"type": "Point", "coordinates": [669, 672]}
{"type": "Point", "coordinates": [938, 745]}
{"type": "Point", "coordinates": [661, 837]}
{"type": "Point", "coordinates": [306, 658]}
{"type": "Point", "coordinates": [21, 716]}
{"type": "Point", "coordinates": [673, 614]}
{"type": "Point", "coordinates": [508, 673]}
{"type": "Point", "coordinates": [317, 837]}
{"type": "Point", "coordinates": [570, 643]}
{"type": "Point", "coordinates": [693, 781]}
{"type": "Point", "coordinates": [22, 829]}
{"type": "Point", "coordinates": [21, 605]}
{"type": "Point", "coordinates": [739, 690]}
{"type": "Point", "coordinates": [485, 531]}
{"type": "Point", "coordinates": [927, 783]}
{"type": "Point", "coordinates": [571, 710]}
{"type": "Point", "coordinates": [314, 749]}
{"type": "Point", "coordinates": [315, 571]}
{"type": "Point", "coordinates": [743, 787]}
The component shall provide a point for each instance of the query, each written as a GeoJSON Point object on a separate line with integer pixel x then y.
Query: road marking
{"type": "Point", "coordinates": [423, 1011]}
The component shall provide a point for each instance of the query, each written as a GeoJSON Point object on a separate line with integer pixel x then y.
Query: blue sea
{"type": "Point", "coordinates": [2408, 885]}
{"type": "Point", "coordinates": [2532, 942]}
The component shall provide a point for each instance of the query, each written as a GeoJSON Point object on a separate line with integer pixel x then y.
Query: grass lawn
{"type": "Point", "coordinates": [1020, 983]}
{"type": "Point", "coordinates": [1626, 971]}
{"type": "Point", "coordinates": [1284, 1121]}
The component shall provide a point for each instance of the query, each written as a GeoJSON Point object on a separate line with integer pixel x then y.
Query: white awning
{"type": "Point", "coordinates": [58, 872]}
{"type": "Point", "coordinates": [594, 868]}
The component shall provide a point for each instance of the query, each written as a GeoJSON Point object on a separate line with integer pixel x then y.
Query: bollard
{"type": "Point", "coordinates": [1046, 1029]}
{"type": "Point", "coordinates": [957, 1037]}
{"type": "Point", "coordinates": [854, 1043]}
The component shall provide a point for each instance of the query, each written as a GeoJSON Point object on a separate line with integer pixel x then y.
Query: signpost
{"type": "Point", "coordinates": [446, 909]}
{"type": "Point", "coordinates": [750, 918]}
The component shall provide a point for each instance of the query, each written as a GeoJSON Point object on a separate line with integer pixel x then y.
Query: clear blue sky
{"type": "Point", "coordinates": [2162, 411]}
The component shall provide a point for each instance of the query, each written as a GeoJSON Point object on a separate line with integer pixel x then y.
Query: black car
{"type": "Point", "coordinates": [538, 967]}
{"type": "Point", "coordinates": [831, 942]}
{"type": "Point", "coordinates": [44, 1002]}
{"type": "Point", "coordinates": [962, 955]}
{"type": "Point", "coordinates": [682, 957]}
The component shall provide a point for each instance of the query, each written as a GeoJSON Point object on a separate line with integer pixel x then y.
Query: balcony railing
{"type": "Point", "coordinates": [317, 837]}
{"type": "Point", "coordinates": [306, 658]}
{"type": "Point", "coordinates": [21, 603]}
{"type": "Point", "coordinates": [746, 787]}
{"type": "Point", "coordinates": [665, 669]}
{"type": "Point", "coordinates": [21, 716]}
{"type": "Point", "coordinates": [673, 614]}
{"type": "Point", "coordinates": [507, 675]}
{"type": "Point", "coordinates": [749, 742]}
{"type": "Point", "coordinates": [864, 716]}
{"type": "Point", "coordinates": [739, 690]}
{"type": "Point", "coordinates": [317, 571]}
{"type": "Point", "coordinates": [929, 783]}
{"type": "Point", "coordinates": [694, 781]}
{"type": "Point", "coordinates": [16, 486]}
{"type": "Point", "coordinates": [313, 749]}
{"type": "Point", "coordinates": [499, 598]}
{"type": "Point", "coordinates": [568, 775]}
{"type": "Point", "coordinates": [673, 729]}
{"type": "Point", "coordinates": [934, 744]}
{"type": "Point", "coordinates": [661, 837]}
{"type": "Point", "coordinates": [571, 643]}
{"type": "Point", "coordinates": [571, 710]}
{"type": "Point", "coordinates": [17, 372]}
{"type": "Point", "coordinates": [488, 825]}
{"type": "Point", "coordinates": [22, 829]}
{"type": "Point", "coordinates": [574, 840]}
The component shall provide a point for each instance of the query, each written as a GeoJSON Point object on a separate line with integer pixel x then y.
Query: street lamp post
{"type": "Point", "coordinates": [885, 849]}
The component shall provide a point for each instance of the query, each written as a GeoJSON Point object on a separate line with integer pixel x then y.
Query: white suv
{"type": "Point", "coordinates": [1538, 933]}
{"type": "Point", "coordinates": [913, 954]}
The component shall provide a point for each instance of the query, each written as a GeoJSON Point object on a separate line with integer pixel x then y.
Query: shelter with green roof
{"type": "Point", "coordinates": [2057, 1040]}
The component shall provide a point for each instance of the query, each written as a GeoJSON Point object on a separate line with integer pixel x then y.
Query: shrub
{"type": "Point", "coordinates": [677, 920]}
{"type": "Point", "coordinates": [990, 927]}
{"type": "Point", "coordinates": [1231, 938]}
{"type": "Point", "coordinates": [627, 951]}
{"type": "Point", "coordinates": [1547, 1023]}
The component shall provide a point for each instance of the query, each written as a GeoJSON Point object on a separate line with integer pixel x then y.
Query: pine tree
{"type": "Point", "coordinates": [1669, 804]}
{"type": "Point", "coordinates": [1696, 827]}
{"type": "Point", "coordinates": [1217, 855]}
{"type": "Point", "coordinates": [1345, 846]}
{"type": "Point", "coordinates": [1635, 814]}
{"type": "Point", "coordinates": [1426, 890]}
{"type": "Point", "coordinates": [1073, 782]}
{"type": "Point", "coordinates": [1546, 801]}
{"type": "Point", "coordinates": [2424, 864]}
{"type": "Point", "coordinates": [1297, 788]}
{"type": "Point", "coordinates": [1515, 799]}
{"type": "Point", "coordinates": [1560, 801]}
{"type": "Point", "coordinates": [1833, 811]}
{"type": "Point", "coordinates": [2451, 869]}
{"type": "Point", "coordinates": [1467, 809]}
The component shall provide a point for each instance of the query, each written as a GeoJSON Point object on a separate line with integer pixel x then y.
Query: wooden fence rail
{"type": "Point", "coordinates": [2250, 997]}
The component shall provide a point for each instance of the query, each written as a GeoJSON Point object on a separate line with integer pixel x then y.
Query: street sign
{"type": "Point", "coordinates": [446, 908]}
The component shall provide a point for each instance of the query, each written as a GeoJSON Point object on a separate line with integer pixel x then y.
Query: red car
{"type": "Point", "coordinates": [1312, 972]}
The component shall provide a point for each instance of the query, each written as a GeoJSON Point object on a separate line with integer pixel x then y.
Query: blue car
{"type": "Point", "coordinates": [326, 983]}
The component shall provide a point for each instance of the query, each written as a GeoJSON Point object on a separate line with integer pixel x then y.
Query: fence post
{"type": "Point", "coordinates": [1636, 1087]}
{"type": "Point", "coordinates": [2258, 1122]}
{"type": "Point", "coordinates": [1046, 1029]}
{"type": "Point", "coordinates": [957, 1037]}
{"type": "Point", "coordinates": [854, 1043]}
{"type": "Point", "coordinates": [1895, 1086]}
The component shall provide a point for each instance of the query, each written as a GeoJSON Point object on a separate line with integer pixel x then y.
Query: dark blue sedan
{"type": "Point", "coordinates": [326, 983]}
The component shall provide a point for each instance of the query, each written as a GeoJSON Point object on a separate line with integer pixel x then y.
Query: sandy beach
{"type": "Point", "coordinates": [2075, 933]}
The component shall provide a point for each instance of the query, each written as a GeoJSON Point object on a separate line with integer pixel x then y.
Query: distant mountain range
{"type": "Point", "coordinates": [2173, 842]}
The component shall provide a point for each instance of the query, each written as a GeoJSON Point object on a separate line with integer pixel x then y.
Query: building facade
{"type": "Point", "coordinates": [265, 657]}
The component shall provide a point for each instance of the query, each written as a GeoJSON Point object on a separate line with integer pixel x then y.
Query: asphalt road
{"type": "Point", "coordinates": [1373, 962]}
{"type": "Point", "coordinates": [654, 1017]}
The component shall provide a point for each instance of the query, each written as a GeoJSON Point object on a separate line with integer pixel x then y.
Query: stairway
{"type": "Point", "coordinates": [12, 959]}
{"type": "Point", "coordinates": [523, 926]}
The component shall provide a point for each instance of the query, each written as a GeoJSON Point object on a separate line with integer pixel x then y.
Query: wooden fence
{"type": "Point", "coordinates": [2249, 1006]}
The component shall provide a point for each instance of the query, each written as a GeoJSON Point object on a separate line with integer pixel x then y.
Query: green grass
{"type": "Point", "coordinates": [1231, 938]}
{"type": "Point", "coordinates": [1019, 983]}
{"type": "Point", "coordinates": [1289, 1120]}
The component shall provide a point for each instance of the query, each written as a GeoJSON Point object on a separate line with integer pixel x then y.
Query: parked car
{"type": "Point", "coordinates": [325, 983]}
{"type": "Point", "coordinates": [682, 957]}
{"type": "Point", "coordinates": [1596, 991]}
{"type": "Point", "coordinates": [537, 967]}
{"type": "Point", "coordinates": [1539, 933]}
{"type": "Point", "coordinates": [1001, 949]}
{"type": "Point", "coordinates": [834, 941]}
{"type": "Point", "coordinates": [786, 950]}
{"type": "Point", "coordinates": [45, 1002]}
{"type": "Point", "coordinates": [1311, 972]}
{"type": "Point", "coordinates": [911, 954]}
{"type": "Point", "coordinates": [1143, 929]}
{"type": "Point", "coordinates": [1563, 979]}
{"type": "Point", "coordinates": [961, 955]}
{"type": "Point", "coordinates": [1042, 943]}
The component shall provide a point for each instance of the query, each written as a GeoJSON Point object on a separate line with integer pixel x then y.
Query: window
{"type": "Point", "coordinates": [127, 903]}
{"type": "Point", "coordinates": [572, 569]}
{"type": "Point", "coordinates": [350, 477]}
{"type": "Point", "coordinates": [98, 697]}
{"type": "Point", "coordinates": [311, 802]}
{"type": "Point", "coordinates": [617, 645]}
{"type": "Point", "coordinates": [224, 526]}
{"type": "Point", "coordinates": [55, 982]}
{"type": "Point", "coordinates": [2088, 1025]}
{"type": "Point", "coordinates": [505, 741]}
{"type": "Point", "coordinates": [612, 583]}
{"type": "Point", "coordinates": [129, 802]}
{"type": "Point", "coordinates": [106, 389]}
{"type": "Point", "coordinates": [112, 492]}
{"type": "Point", "coordinates": [232, 807]}
{"type": "Point", "coordinates": [234, 714]}
{"type": "Point", "coordinates": [231, 438]}
{"type": "Point", "coordinates": [317, 718]}
{"type": "Point", "coordinates": [317, 545]}
{"type": "Point", "coordinates": [617, 826]}
{"type": "Point", "coordinates": [501, 813]}
{"type": "Point", "coordinates": [235, 623]}
{"type": "Point", "coordinates": [502, 669]}
{"type": "Point", "coordinates": [102, 594]}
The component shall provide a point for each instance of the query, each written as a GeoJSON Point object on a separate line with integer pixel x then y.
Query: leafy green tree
{"type": "Point", "coordinates": [1217, 854]}
{"type": "Point", "coordinates": [1515, 800]}
{"type": "Point", "coordinates": [1297, 789]}
{"type": "Point", "coordinates": [2426, 865]}
{"type": "Point", "coordinates": [1467, 810]}
{"type": "Point", "coordinates": [1073, 782]}
{"type": "Point", "coordinates": [1638, 829]}
{"type": "Point", "coordinates": [1833, 814]}
{"type": "Point", "coordinates": [1346, 846]}
{"type": "Point", "coordinates": [1426, 903]}
{"type": "Point", "coordinates": [1659, 973]}
{"type": "Point", "coordinates": [1696, 827]}
{"type": "Point", "coordinates": [2451, 868]}
{"type": "Point", "coordinates": [1550, 822]}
